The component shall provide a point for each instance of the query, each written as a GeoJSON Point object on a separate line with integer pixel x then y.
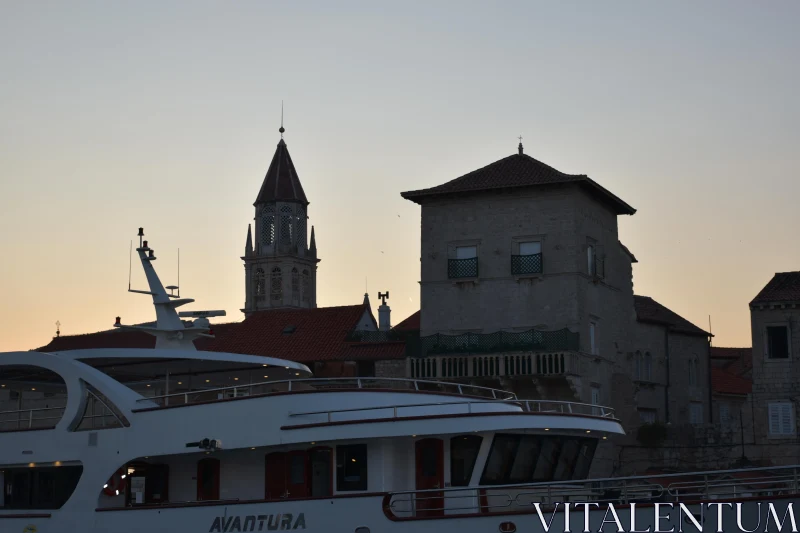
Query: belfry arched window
{"type": "Point", "coordinates": [287, 236]}
{"type": "Point", "coordinates": [268, 225]}
{"type": "Point", "coordinates": [295, 283]}
{"type": "Point", "coordinates": [277, 285]}
{"type": "Point", "coordinates": [300, 226]}
{"type": "Point", "coordinates": [306, 286]}
{"type": "Point", "coordinates": [259, 283]}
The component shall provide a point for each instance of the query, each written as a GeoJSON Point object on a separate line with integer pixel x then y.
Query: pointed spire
{"type": "Point", "coordinates": [313, 247]}
{"type": "Point", "coordinates": [366, 300]}
{"type": "Point", "coordinates": [248, 246]}
{"type": "Point", "coordinates": [520, 145]}
{"type": "Point", "coordinates": [281, 183]}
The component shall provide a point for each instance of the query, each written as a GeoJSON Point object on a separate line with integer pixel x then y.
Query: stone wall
{"type": "Point", "coordinates": [775, 380]}
{"type": "Point", "coordinates": [390, 368]}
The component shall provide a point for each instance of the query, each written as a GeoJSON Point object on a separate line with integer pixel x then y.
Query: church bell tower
{"type": "Point", "coordinates": [280, 265]}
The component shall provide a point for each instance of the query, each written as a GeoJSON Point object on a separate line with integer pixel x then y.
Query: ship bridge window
{"type": "Point", "coordinates": [463, 454]}
{"type": "Point", "coordinates": [99, 412]}
{"type": "Point", "coordinates": [38, 487]}
{"type": "Point", "coordinates": [530, 458]}
{"type": "Point", "coordinates": [31, 397]}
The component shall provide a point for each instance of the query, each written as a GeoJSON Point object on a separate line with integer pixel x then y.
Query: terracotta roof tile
{"type": "Point", "coordinates": [319, 335]}
{"type": "Point", "coordinates": [724, 382]}
{"type": "Point", "coordinates": [783, 287]}
{"type": "Point", "coordinates": [649, 310]}
{"type": "Point", "coordinates": [409, 324]}
{"type": "Point", "coordinates": [738, 361]}
{"type": "Point", "coordinates": [518, 170]}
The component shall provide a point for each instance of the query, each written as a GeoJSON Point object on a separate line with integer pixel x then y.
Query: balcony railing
{"type": "Point", "coordinates": [526, 264]}
{"type": "Point", "coordinates": [462, 268]}
{"type": "Point", "coordinates": [500, 341]}
{"type": "Point", "coordinates": [494, 366]}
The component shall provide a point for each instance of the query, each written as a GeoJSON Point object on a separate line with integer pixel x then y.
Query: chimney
{"type": "Point", "coordinates": [384, 313]}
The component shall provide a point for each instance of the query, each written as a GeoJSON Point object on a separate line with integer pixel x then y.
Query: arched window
{"type": "Point", "coordinates": [300, 226]}
{"type": "Point", "coordinates": [648, 366]}
{"type": "Point", "coordinates": [277, 285]}
{"type": "Point", "coordinates": [295, 283]}
{"type": "Point", "coordinates": [306, 287]}
{"type": "Point", "coordinates": [268, 225]}
{"type": "Point", "coordinates": [286, 225]}
{"type": "Point", "coordinates": [259, 281]}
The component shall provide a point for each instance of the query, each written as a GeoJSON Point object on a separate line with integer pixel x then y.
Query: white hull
{"type": "Point", "coordinates": [346, 515]}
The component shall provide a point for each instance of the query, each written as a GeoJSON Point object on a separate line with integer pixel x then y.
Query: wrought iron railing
{"type": "Point", "coordinates": [462, 268]}
{"type": "Point", "coordinates": [526, 264]}
{"type": "Point", "coordinates": [500, 341]}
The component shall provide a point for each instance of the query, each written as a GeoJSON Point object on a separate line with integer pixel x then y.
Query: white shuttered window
{"type": "Point", "coordinates": [781, 419]}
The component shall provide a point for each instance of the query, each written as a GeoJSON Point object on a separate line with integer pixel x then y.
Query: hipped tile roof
{"type": "Point", "coordinates": [319, 335]}
{"type": "Point", "coordinates": [649, 310]}
{"type": "Point", "coordinates": [783, 287]}
{"type": "Point", "coordinates": [518, 170]}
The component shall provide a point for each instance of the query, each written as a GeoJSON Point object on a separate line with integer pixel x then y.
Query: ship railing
{"type": "Point", "coordinates": [464, 408]}
{"type": "Point", "coordinates": [721, 485]}
{"type": "Point", "coordinates": [36, 418]}
{"type": "Point", "coordinates": [323, 385]}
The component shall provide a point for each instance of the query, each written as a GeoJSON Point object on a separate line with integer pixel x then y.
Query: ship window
{"type": "Point", "coordinates": [529, 458]}
{"type": "Point", "coordinates": [351, 467]}
{"type": "Point", "coordinates": [46, 487]}
{"type": "Point", "coordinates": [584, 459]}
{"type": "Point", "coordinates": [463, 453]}
{"type": "Point", "coordinates": [500, 459]}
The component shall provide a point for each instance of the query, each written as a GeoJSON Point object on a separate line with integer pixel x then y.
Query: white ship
{"type": "Point", "coordinates": [130, 440]}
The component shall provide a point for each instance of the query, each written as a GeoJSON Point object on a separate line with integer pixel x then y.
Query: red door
{"type": "Point", "coordinates": [430, 475]}
{"type": "Point", "coordinates": [297, 474]}
{"type": "Point", "coordinates": [275, 476]}
{"type": "Point", "coordinates": [208, 479]}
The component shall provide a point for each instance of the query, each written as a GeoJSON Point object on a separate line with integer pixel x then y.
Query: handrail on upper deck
{"type": "Point", "coordinates": [504, 499]}
{"type": "Point", "coordinates": [361, 383]}
{"type": "Point", "coordinates": [565, 407]}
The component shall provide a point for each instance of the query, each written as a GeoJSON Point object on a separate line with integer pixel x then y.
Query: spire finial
{"type": "Point", "coordinates": [281, 128]}
{"type": "Point", "coordinates": [520, 145]}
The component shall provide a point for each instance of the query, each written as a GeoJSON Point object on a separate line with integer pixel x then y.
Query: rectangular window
{"type": "Point", "coordinates": [781, 419]}
{"type": "Point", "coordinates": [463, 454]}
{"type": "Point", "coordinates": [592, 339]}
{"type": "Point", "coordinates": [695, 413]}
{"type": "Point", "coordinates": [528, 260]}
{"type": "Point", "coordinates": [647, 416]}
{"type": "Point", "coordinates": [465, 263]}
{"type": "Point", "coordinates": [351, 467]}
{"type": "Point", "coordinates": [777, 342]}
{"type": "Point", "coordinates": [530, 248]}
{"type": "Point", "coordinates": [590, 259]}
{"type": "Point", "coordinates": [595, 395]}
{"type": "Point", "coordinates": [466, 252]}
{"type": "Point", "coordinates": [724, 414]}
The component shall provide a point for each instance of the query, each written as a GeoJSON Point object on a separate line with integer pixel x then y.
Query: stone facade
{"type": "Point", "coordinates": [776, 379]}
{"type": "Point", "coordinates": [648, 372]}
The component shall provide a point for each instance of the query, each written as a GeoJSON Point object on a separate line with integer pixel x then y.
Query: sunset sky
{"type": "Point", "coordinates": [164, 114]}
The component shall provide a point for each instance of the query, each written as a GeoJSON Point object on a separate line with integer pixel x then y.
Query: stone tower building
{"type": "Point", "coordinates": [280, 264]}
